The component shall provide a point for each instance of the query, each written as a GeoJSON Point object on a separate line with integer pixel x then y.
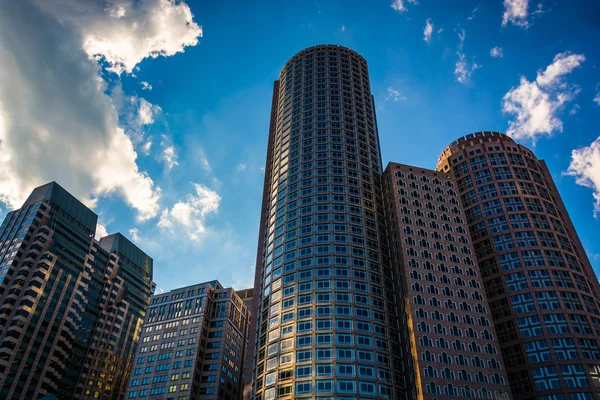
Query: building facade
{"type": "Point", "coordinates": [247, 296]}
{"type": "Point", "coordinates": [325, 306]}
{"type": "Point", "coordinates": [192, 345]}
{"type": "Point", "coordinates": [451, 337]}
{"type": "Point", "coordinates": [71, 307]}
{"type": "Point", "coordinates": [542, 290]}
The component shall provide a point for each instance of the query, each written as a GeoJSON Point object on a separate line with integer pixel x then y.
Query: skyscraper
{"type": "Point", "coordinates": [324, 299]}
{"type": "Point", "coordinates": [542, 290]}
{"type": "Point", "coordinates": [451, 337]}
{"type": "Point", "coordinates": [70, 306]}
{"type": "Point", "coordinates": [192, 345]}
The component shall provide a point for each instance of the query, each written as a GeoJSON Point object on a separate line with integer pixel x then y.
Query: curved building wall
{"type": "Point", "coordinates": [324, 298]}
{"type": "Point", "coordinates": [541, 288]}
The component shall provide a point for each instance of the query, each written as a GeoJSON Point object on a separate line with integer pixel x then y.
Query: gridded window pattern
{"type": "Point", "coordinates": [542, 290]}
{"type": "Point", "coordinates": [323, 313]}
{"type": "Point", "coordinates": [457, 352]}
{"type": "Point", "coordinates": [192, 345]}
{"type": "Point", "coordinates": [70, 291]}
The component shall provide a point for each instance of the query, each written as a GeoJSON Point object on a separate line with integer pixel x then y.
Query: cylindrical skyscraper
{"type": "Point", "coordinates": [324, 305]}
{"type": "Point", "coordinates": [541, 287]}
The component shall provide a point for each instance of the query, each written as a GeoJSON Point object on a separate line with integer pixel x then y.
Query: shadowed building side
{"type": "Point", "coordinates": [70, 307]}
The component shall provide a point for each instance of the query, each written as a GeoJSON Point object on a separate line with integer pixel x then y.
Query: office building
{"type": "Point", "coordinates": [71, 307]}
{"type": "Point", "coordinates": [541, 288]}
{"type": "Point", "coordinates": [451, 337]}
{"type": "Point", "coordinates": [324, 301]}
{"type": "Point", "coordinates": [247, 296]}
{"type": "Point", "coordinates": [192, 345]}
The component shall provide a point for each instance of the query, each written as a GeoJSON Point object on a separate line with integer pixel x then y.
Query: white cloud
{"type": "Point", "coordinates": [241, 167]}
{"type": "Point", "coordinates": [101, 231]}
{"type": "Point", "coordinates": [428, 30]}
{"type": "Point", "coordinates": [134, 233]}
{"type": "Point", "coordinates": [537, 104]}
{"type": "Point", "coordinates": [399, 6]}
{"type": "Point", "coordinates": [170, 157]}
{"type": "Point", "coordinates": [125, 32]}
{"type": "Point", "coordinates": [57, 120]}
{"type": "Point", "coordinates": [146, 112]}
{"type": "Point", "coordinates": [497, 52]}
{"type": "Point", "coordinates": [516, 12]}
{"type": "Point", "coordinates": [597, 98]}
{"type": "Point", "coordinates": [136, 114]}
{"type": "Point", "coordinates": [146, 86]}
{"type": "Point", "coordinates": [190, 216]}
{"type": "Point", "coordinates": [394, 95]}
{"type": "Point", "coordinates": [462, 70]}
{"type": "Point", "coordinates": [585, 167]}
{"type": "Point", "coordinates": [343, 28]}
{"type": "Point", "coordinates": [146, 147]}
{"type": "Point", "coordinates": [169, 154]}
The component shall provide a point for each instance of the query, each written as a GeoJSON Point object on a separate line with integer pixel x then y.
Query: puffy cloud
{"type": "Point", "coordinates": [428, 30]}
{"type": "Point", "coordinates": [134, 234]}
{"type": "Point", "coordinates": [343, 28]}
{"type": "Point", "coordinates": [100, 231]}
{"type": "Point", "coordinates": [146, 85]}
{"type": "Point", "coordinates": [146, 112]}
{"type": "Point", "coordinates": [136, 114]}
{"type": "Point", "coordinates": [537, 104]}
{"type": "Point", "coordinates": [394, 95]}
{"type": "Point", "coordinates": [190, 216]}
{"type": "Point", "coordinates": [597, 98]}
{"type": "Point", "coordinates": [585, 167]}
{"type": "Point", "coordinates": [124, 32]}
{"type": "Point", "coordinates": [497, 52]}
{"type": "Point", "coordinates": [399, 6]}
{"type": "Point", "coordinates": [56, 119]}
{"type": "Point", "coordinates": [462, 70]}
{"type": "Point", "coordinates": [516, 12]}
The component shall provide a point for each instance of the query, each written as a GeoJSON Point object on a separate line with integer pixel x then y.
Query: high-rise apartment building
{"type": "Point", "coordinates": [71, 307]}
{"type": "Point", "coordinates": [541, 288]}
{"type": "Point", "coordinates": [325, 297]}
{"type": "Point", "coordinates": [192, 345]}
{"type": "Point", "coordinates": [451, 337]}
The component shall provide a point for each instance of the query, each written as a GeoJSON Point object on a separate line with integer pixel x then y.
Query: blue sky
{"type": "Point", "coordinates": [178, 167]}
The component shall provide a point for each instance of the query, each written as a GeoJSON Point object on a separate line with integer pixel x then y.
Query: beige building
{"type": "Point", "coordinates": [455, 353]}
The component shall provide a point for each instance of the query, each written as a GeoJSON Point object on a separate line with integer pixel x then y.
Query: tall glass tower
{"type": "Point", "coordinates": [324, 303]}
{"type": "Point", "coordinates": [542, 290]}
{"type": "Point", "coordinates": [71, 307]}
